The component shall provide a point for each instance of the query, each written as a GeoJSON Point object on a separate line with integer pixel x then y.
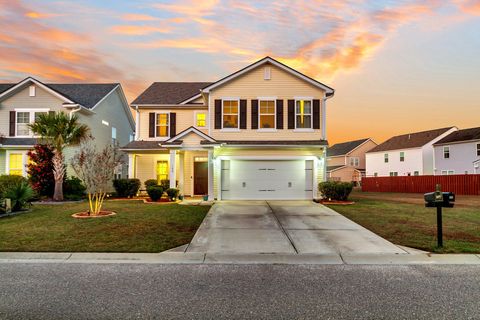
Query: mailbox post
{"type": "Point", "coordinates": [439, 200]}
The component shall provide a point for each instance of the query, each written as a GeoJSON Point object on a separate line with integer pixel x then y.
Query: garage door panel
{"type": "Point", "coordinates": [257, 179]}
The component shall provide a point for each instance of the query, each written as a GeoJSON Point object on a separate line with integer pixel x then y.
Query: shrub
{"type": "Point", "coordinates": [155, 192]}
{"type": "Point", "coordinates": [126, 187]}
{"type": "Point", "coordinates": [20, 194]}
{"type": "Point", "coordinates": [40, 170]}
{"type": "Point", "coordinates": [9, 181]}
{"type": "Point", "coordinates": [335, 190]}
{"type": "Point", "coordinates": [172, 193]}
{"type": "Point", "coordinates": [73, 189]}
{"type": "Point", "coordinates": [150, 183]}
{"type": "Point", "coordinates": [165, 184]}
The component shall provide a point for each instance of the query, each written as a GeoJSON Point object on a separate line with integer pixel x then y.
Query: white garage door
{"type": "Point", "coordinates": [267, 180]}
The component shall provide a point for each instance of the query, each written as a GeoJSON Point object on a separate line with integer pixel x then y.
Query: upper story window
{"type": "Point", "coordinates": [24, 118]}
{"type": "Point", "coordinates": [266, 114]}
{"type": "Point", "coordinates": [161, 127]}
{"type": "Point", "coordinates": [385, 157]}
{"type": "Point", "coordinates": [478, 149]}
{"type": "Point", "coordinates": [402, 156]}
{"type": "Point", "coordinates": [354, 161]}
{"type": "Point", "coordinates": [446, 152]}
{"type": "Point", "coordinates": [303, 114]}
{"type": "Point", "coordinates": [200, 119]}
{"type": "Point", "coordinates": [230, 114]}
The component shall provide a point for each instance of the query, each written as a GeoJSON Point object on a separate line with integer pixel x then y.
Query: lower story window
{"type": "Point", "coordinates": [16, 164]}
{"type": "Point", "coordinates": [393, 174]}
{"type": "Point", "coordinates": [162, 171]}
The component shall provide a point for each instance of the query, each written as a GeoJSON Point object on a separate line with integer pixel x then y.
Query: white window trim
{"type": "Point", "coordinates": [446, 148]}
{"type": "Point", "coordinates": [274, 100]}
{"type": "Point", "coordinates": [168, 126]}
{"type": "Point", "coordinates": [32, 119]}
{"type": "Point", "coordinates": [206, 118]}
{"type": "Point", "coordinates": [311, 114]}
{"type": "Point", "coordinates": [238, 114]}
{"type": "Point", "coordinates": [24, 161]}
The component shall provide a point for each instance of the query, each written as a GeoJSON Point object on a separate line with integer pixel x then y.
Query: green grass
{"type": "Point", "coordinates": [414, 226]}
{"type": "Point", "coordinates": [137, 227]}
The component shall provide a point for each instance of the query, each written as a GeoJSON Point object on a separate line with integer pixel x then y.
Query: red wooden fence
{"type": "Point", "coordinates": [465, 184]}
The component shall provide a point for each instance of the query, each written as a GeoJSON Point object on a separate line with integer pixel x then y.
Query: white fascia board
{"type": "Point", "coordinates": [191, 130]}
{"type": "Point", "coordinates": [394, 150]}
{"type": "Point", "coordinates": [126, 106]}
{"type": "Point", "coordinates": [38, 83]}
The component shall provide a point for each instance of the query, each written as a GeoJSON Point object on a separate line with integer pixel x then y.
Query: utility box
{"type": "Point", "coordinates": [442, 199]}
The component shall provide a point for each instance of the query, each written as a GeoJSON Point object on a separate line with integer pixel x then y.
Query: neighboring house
{"type": "Point", "coordinates": [458, 153]}
{"type": "Point", "coordinates": [405, 155]}
{"type": "Point", "coordinates": [346, 160]}
{"type": "Point", "coordinates": [102, 107]}
{"type": "Point", "coordinates": [258, 133]}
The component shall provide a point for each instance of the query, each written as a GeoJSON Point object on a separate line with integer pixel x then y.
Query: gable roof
{"type": "Point", "coordinates": [410, 140]}
{"type": "Point", "coordinates": [84, 94]}
{"type": "Point", "coordinates": [191, 129]}
{"type": "Point", "coordinates": [169, 92]}
{"type": "Point", "coordinates": [330, 91]}
{"type": "Point", "coordinates": [343, 148]}
{"type": "Point", "coordinates": [461, 135]}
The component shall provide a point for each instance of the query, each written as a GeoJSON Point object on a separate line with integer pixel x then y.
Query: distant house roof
{"type": "Point", "coordinates": [85, 94]}
{"type": "Point", "coordinates": [410, 140]}
{"type": "Point", "coordinates": [268, 142]}
{"type": "Point", "coordinates": [17, 141]}
{"type": "Point", "coordinates": [143, 145]}
{"type": "Point", "coordinates": [343, 148]}
{"type": "Point", "coordinates": [461, 135]}
{"type": "Point", "coordinates": [169, 92]}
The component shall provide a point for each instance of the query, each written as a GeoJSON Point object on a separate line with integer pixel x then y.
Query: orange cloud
{"type": "Point", "coordinates": [139, 30]}
{"type": "Point", "coordinates": [138, 17]}
{"type": "Point", "coordinates": [469, 6]}
{"type": "Point", "coordinates": [40, 15]}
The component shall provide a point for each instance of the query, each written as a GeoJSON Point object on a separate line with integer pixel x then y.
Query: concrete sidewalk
{"type": "Point", "coordinates": [172, 257]}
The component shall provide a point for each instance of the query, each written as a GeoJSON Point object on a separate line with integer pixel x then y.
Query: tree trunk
{"type": "Point", "coordinates": [58, 175]}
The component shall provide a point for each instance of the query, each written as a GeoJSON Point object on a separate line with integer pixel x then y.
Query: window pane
{"type": "Point", "coordinates": [162, 131]}
{"type": "Point", "coordinates": [23, 117]}
{"type": "Point", "coordinates": [162, 119]}
{"type": "Point", "coordinates": [267, 107]}
{"type": "Point", "coordinates": [304, 106]}
{"type": "Point", "coordinates": [230, 121]}
{"type": "Point", "coordinates": [267, 121]}
{"type": "Point", "coordinates": [304, 121]}
{"type": "Point", "coordinates": [162, 171]}
{"type": "Point", "coordinates": [37, 114]}
{"type": "Point", "coordinates": [16, 164]}
{"type": "Point", "coordinates": [201, 119]}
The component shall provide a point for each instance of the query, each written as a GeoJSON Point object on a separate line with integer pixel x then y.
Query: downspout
{"type": "Point", "coordinates": [324, 132]}
{"type": "Point", "coordinates": [74, 111]}
{"type": "Point", "coordinates": [137, 123]}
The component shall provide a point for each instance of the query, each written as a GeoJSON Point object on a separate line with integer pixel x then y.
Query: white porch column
{"type": "Point", "coordinates": [131, 166]}
{"type": "Point", "coordinates": [210, 175]}
{"type": "Point", "coordinates": [181, 177]}
{"type": "Point", "coordinates": [172, 164]}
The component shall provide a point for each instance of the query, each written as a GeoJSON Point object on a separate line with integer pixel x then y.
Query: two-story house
{"type": "Point", "coordinates": [346, 160]}
{"type": "Point", "coordinates": [458, 153]}
{"type": "Point", "coordinates": [409, 154]}
{"type": "Point", "coordinates": [258, 133]}
{"type": "Point", "coordinates": [103, 107]}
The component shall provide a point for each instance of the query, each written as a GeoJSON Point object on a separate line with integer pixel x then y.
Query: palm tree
{"type": "Point", "coordinates": [59, 130]}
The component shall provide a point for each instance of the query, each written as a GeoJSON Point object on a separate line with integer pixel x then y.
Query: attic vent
{"type": "Point", "coordinates": [267, 73]}
{"type": "Point", "coordinates": [31, 91]}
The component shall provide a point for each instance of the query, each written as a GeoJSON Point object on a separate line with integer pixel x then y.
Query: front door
{"type": "Point", "coordinates": [200, 178]}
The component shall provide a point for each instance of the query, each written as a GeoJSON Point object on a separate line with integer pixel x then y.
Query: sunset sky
{"type": "Point", "coordinates": [397, 66]}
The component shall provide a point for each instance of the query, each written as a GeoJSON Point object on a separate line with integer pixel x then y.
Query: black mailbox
{"type": "Point", "coordinates": [442, 199]}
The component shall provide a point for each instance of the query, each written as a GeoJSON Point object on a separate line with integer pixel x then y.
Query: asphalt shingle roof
{"type": "Point", "coordinates": [410, 140]}
{"type": "Point", "coordinates": [343, 148]}
{"type": "Point", "coordinates": [461, 135]}
{"type": "Point", "coordinates": [85, 94]}
{"type": "Point", "coordinates": [17, 141]}
{"type": "Point", "coordinates": [169, 92]}
{"type": "Point", "coordinates": [143, 145]}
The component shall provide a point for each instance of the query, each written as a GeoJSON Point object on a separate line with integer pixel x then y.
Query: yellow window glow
{"type": "Point", "coordinates": [201, 119]}
{"type": "Point", "coordinates": [162, 171]}
{"type": "Point", "coordinates": [16, 164]}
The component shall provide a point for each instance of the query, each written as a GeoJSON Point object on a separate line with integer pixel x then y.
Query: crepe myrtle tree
{"type": "Point", "coordinates": [95, 167]}
{"type": "Point", "coordinates": [60, 131]}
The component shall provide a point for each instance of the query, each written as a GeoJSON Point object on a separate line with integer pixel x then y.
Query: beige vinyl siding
{"type": "Point", "coordinates": [360, 152]}
{"type": "Point", "coordinates": [336, 161]}
{"type": "Point", "coordinates": [146, 166]}
{"type": "Point", "coordinates": [22, 100]}
{"type": "Point", "coordinates": [3, 158]}
{"type": "Point", "coordinates": [252, 85]}
{"type": "Point", "coordinates": [184, 118]}
{"type": "Point", "coordinates": [346, 174]}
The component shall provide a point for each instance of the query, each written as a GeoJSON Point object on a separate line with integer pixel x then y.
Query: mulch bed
{"type": "Point", "coordinates": [86, 215]}
{"type": "Point", "coordinates": [335, 202]}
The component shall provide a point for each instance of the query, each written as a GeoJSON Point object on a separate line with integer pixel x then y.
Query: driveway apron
{"type": "Point", "coordinates": [284, 227]}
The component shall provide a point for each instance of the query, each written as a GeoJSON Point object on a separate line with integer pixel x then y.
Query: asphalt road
{"type": "Point", "coordinates": [141, 291]}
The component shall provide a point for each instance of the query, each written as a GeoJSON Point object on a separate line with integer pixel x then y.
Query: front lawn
{"type": "Point", "coordinates": [137, 227]}
{"type": "Point", "coordinates": [403, 220]}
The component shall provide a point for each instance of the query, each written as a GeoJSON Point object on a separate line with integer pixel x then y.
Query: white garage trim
{"type": "Point", "coordinates": [218, 167]}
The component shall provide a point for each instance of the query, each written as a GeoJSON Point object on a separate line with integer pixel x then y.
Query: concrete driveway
{"type": "Point", "coordinates": [283, 227]}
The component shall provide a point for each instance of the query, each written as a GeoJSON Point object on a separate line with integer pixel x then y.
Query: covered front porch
{"type": "Point", "coordinates": [191, 171]}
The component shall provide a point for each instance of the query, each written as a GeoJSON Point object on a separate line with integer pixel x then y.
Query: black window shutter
{"type": "Point", "coordinates": [291, 114]}
{"type": "Point", "coordinates": [173, 124]}
{"type": "Point", "coordinates": [151, 124]}
{"type": "Point", "coordinates": [243, 114]}
{"type": "Point", "coordinates": [316, 114]}
{"type": "Point", "coordinates": [254, 114]}
{"type": "Point", "coordinates": [279, 114]}
{"type": "Point", "coordinates": [13, 115]}
{"type": "Point", "coordinates": [218, 114]}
